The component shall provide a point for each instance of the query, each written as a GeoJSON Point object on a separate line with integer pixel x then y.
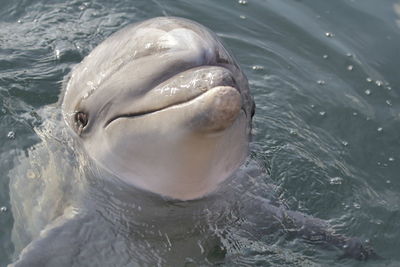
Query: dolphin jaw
{"type": "Point", "coordinates": [221, 105]}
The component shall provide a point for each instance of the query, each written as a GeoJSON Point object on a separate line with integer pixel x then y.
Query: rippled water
{"type": "Point", "coordinates": [325, 78]}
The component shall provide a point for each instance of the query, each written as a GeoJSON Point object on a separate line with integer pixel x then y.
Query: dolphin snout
{"type": "Point", "coordinates": [180, 88]}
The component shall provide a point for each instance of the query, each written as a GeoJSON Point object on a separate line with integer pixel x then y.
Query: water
{"type": "Point", "coordinates": [325, 78]}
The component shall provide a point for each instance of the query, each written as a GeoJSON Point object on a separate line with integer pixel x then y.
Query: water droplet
{"type": "Point", "coordinates": [369, 80]}
{"type": "Point", "coordinates": [329, 34]}
{"type": "Point", "coordinates": [380, 129]}
{"type": "Point", "coordinates": [350, 67]}
{"type": "Point", "coordinates": [321, 82]}
{"type": "Point", "coordinates": [388, 102]}
{"type": "Point", "coordinates": [11, 135]}
{"type": "Point", "coordinates": [322, 113]}
{"type": "Point", "coordinates": [243, 17]}
{"type": "Point", "coordinates": [3, 209]}
{"type": "Point", "coordinates": [31, 174]}
{"type": "Point", "coordinates": [57, 52]}
{"type": "Point", "coordinates": [257, 67]}
{"type": "Point", "coordinates": [336, 180]}
{"type": "Point", "coordinates": [242, 2]}
{"type": "Point", "coordinates": [367, 92]}
{"type": "Point", "coordinates": [378, 83]}
{"type": "Point", "coordinates": [391, 159]}
{"type": "Point", "coordinates": [325, 56]}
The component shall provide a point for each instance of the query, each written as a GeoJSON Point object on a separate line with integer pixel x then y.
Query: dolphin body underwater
{"type": "Point", "coordinates": [150, 165]}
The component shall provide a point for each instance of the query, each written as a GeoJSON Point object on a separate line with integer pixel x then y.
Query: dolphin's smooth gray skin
{"type": "Point", "coordinates": [163, 106]}
{"type": "Point", "coordinates": [162, 115]}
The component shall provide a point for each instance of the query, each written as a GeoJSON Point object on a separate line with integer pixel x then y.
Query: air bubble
{"type": "Point", "coordinates": [345, 143]}
{"type": "Point", "coordinates": [322, 113]}
{"type": "Point", "coordinates": [350, 67]}
{"type": "Point", "coordinates": [321, 82]}
{"type": "Point", "coordinates": [379, 83]}
{"type": "Point", "coordinates": [329, 34]}
{"type": "Point", "coordinates": [388, 102]}
{"type": "Point", "coordinates": [325, 56]}
{"type": "Point", "coordinates": [242, 2]}
{"type": "Point", "coordinates": [243, 17]}
{"type": "Point", "coordinates": [367, 92]}
{"type": "Point", "coordinates": [369, 80]}
{"type": "Point", "coordinates": [3, 209]}
{"type": "Point", "coordinates": [380, 129]}
{"type": "Point", "coordinates": [391, 159]}
{"type": "Point", "coordinates": [356, 205]}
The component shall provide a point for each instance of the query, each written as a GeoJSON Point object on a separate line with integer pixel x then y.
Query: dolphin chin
{"type": "Point", "coordinates": [163, 106]}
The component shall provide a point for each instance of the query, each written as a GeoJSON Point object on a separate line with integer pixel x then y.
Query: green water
{"type": "Point", "coordinates": [324, 74]}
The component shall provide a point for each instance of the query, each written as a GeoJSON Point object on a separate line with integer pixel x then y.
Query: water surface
{"type": "Point", "coordinates": [324, 75]}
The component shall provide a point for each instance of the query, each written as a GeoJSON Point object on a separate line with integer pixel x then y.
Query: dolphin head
{"type": "Point", "coordinates": [163, 106]}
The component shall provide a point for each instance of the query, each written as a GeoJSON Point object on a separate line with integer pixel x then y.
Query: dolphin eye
{"type": "Point", "coordinates": [81, 120]}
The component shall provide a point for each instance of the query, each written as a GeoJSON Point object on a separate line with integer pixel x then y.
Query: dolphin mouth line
{"type": "Point", "coordinates": [151, 111]}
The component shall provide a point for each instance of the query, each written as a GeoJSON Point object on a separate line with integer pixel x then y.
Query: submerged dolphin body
{"type": "Point", "coordinates": [160, 108]}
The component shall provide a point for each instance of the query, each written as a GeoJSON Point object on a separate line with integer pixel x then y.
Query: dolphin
{"type": "Point", "coordinates": [164, 112]}
{"type": "Point", "coordinates": [164, 100]}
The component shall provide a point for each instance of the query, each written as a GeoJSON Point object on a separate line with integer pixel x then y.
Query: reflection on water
{"type": "Point", "coordinates": [324, 75]}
